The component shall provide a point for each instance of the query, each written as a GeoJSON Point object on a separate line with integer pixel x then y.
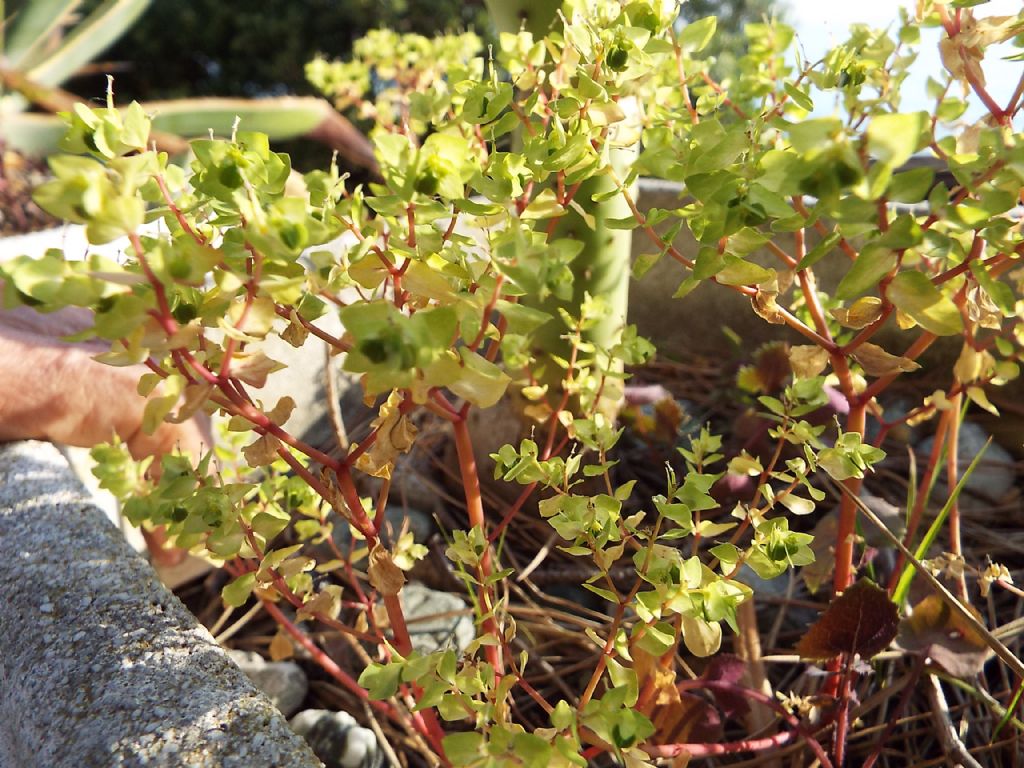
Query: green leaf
{"type": "Point", "coordinates": [697, 34]}
{"type": "Point", "coordinates": [914, 294]}
{"type": "Point", "coordinates": [657, 638]}
{"type": "Point", "coordinates": [481, 382]}
{"type": "Point", "coordinates": [237, 592]}
{"type": "Point", "coordinates": [739, 272]}
{"type": "Point", "coordinates": [903, 232]}
{"type": "Point", "coordinates": [534, 751]}
{"type": "Point", "coordinates": [818, 252]}
{"type": "Point", "coordinates": [911, 186]}
{"type": "Point", "coordinates": [462, 748]}
{"type": "Point", "coordinates": [563, 715]}
{"type": "Point", "coordinates": [873, 263]}
{"type": "Point", "coordinates": [893, 138]}
{"type": "Point", "coordinates": [381, 680]}
{"type": "Point", "coordinates": [799, 97]}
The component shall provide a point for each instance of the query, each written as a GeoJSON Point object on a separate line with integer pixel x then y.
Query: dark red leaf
{"type": "Point", "coordinates": [862, 620]}
{"type": "Point", "coordinates": [726, 668]}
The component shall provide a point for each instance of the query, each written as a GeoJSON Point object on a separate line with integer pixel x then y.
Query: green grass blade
{"type": "Point", "coordinates": [907, 577]}
{"type": "Point", "coordinates": [1008, 714]}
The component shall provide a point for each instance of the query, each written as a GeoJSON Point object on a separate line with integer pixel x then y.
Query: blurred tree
{"type": "Point", "coordinates": [246, 48]}
{"type": "Point", "coordinates": [733, 15]}
{"type": "Point", "coordinates": [184, 48]}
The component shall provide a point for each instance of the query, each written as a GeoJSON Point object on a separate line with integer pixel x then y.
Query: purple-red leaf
{"type": "Point", "coordinates": [726, 668]}
{"type": "Point", "coordinates": [862, 620]}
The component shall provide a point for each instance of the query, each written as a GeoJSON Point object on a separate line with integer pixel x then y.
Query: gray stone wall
{"type": "Point", "coordinates": [99, 664]}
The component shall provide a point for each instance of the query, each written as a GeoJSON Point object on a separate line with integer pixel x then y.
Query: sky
{"type": "Point", "coordinates": [821, 24]}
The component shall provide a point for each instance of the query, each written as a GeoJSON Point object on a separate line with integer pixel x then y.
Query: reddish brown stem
{"type": "Point", "coordinates": [475, 511]}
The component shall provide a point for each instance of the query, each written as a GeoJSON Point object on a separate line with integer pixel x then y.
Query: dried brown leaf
{"type": "Point", "coordinates": [253, 368]}
{"type": "Point", "coordinates": [262, 452]}
{"type": "Point", "coordinates": [877, 362]}
{"type": "Point", "coordinates": [677, 717]}
{"type": "Point", "coordinates": [386, 577]}
{"type": "Point", "coordinates": [327, 602]}
{"type": "Point", "coordinates": [296, 333]}
{"type": "Point", "coordinates": [863, 312]}
{"type": "Point", "coordinates": [281, 647]}
{"type": "Point", "coordinates": [281, 412]}
{"type": "Point", "coordinates": [765, 306]}
{"type": "Point", "coordinates": [807, 360]}
{"type": "Point", "coordinates": [195, 396]}
{"type": "Point", "coordinates": [395, 434]}
{"type": "Point", "coordinates": [946, 637]}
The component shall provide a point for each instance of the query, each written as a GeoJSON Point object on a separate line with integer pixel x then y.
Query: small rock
{"type": "Point", "coordinates": [774, 594]}
{"type": "Point", "coordinates": [46, 608]}
{"type": "Point", "coordinates": [283, 682]}
{"type": "Point", "coordinates": [338, 739]}
{"type": "Point", "coordinates": [432, 619]}
{"type": "Point", "coordinates": [361, 749]}
{"type": "Point", "coordinates": [992, 479]}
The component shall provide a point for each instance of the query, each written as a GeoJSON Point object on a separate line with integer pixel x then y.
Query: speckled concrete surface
{"type": "Point", "coordinates": [99, 664]}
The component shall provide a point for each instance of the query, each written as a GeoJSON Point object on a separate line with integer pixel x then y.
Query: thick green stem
{"type": "Point", "coordinates": [602, 268]}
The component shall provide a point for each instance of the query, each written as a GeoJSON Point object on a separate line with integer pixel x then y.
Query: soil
{"type": "Point", "coordinates": [19, 175]}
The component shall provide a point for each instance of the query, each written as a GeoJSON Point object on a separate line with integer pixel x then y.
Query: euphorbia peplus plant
{"type": "Point", "coordinates": [431, 286]}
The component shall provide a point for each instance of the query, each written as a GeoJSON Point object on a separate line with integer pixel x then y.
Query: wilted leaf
{"type": "Point", "coordinates": [944, 636]}
{"type": "Point", "coordinates": [281, 412]}
{"type": "Point", "coordinates": [677, 717]}
{"type": "Point", "coordinates": [386, 577]}
{"type": "Point", "coordinates": [807, 360]}
{"type": "Point", "coordinates": [281, 647]}
{"type": "Point", "coordinates": [820, 571]}
{"type": "Point", "coordinates": [765, 306]}
{"type": "Point", "coordinates": [877, 362]}
{"type": "Point", "coordinates": [863, 312]}
{"type": "Point", "coordinates": [195, 396]}
{"type": "Point", "coordinates": [395, 434]}
{"type": "Point", "coordinates": [862, 620]}
{"type": "Point", "coordinates": [296, 333]}
{"type": "Point", "coordinates": [326, 602]}
{"type": "Point", "coordinates": [771, 367]}
{"type": "Point", "coordinates": [262, 452]}
{"type": "Point", "coordinates": [253, 368]}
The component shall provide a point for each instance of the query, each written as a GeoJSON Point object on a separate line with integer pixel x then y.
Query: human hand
{"type": "Point", "coordinates": [54, 390]}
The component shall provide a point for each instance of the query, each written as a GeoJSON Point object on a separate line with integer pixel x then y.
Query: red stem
{"type": "Point", "coordinates": [475, 511]}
